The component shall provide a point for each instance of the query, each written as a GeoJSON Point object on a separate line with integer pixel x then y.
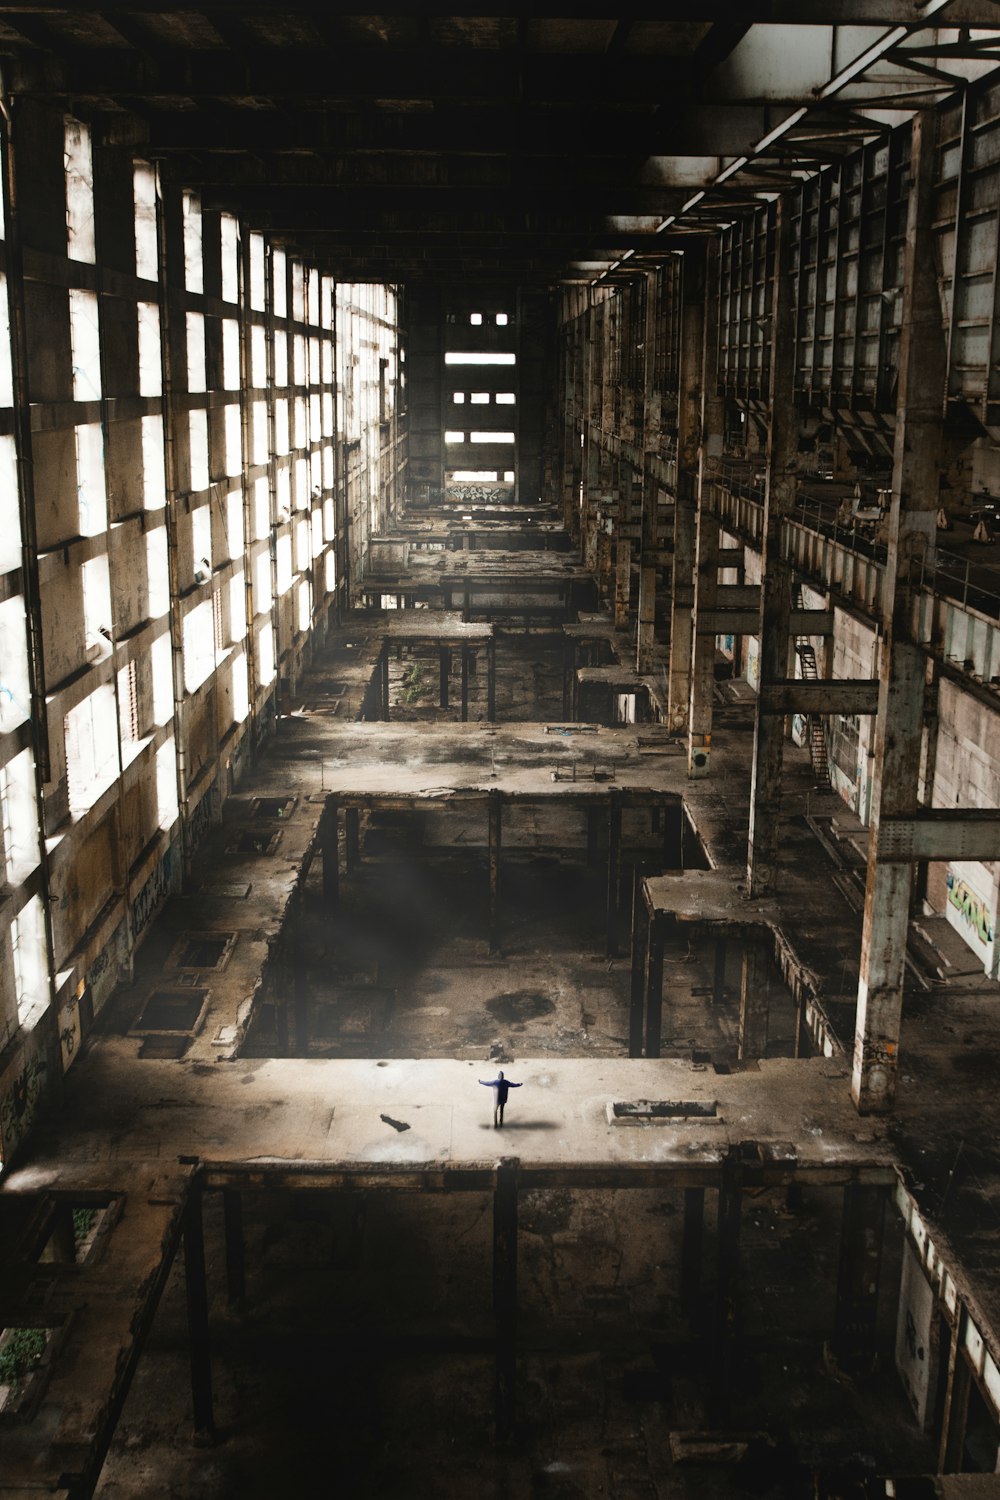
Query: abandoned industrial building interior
{"type": "Point", "coordinates": [500, 569]}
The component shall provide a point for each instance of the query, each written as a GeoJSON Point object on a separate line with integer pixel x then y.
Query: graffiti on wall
{"type": "Point", "coordinates": [18, 1104]}
{"type": "Point", "coordinates": [480, 494]}
{"type": "Point", "coordinates": [145, 904]}
{"type": "Point", "coordinates": [976, 917]}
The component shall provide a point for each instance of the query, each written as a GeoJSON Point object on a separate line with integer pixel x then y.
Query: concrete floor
{"type": "Point", "coordinates": [363, 1362]}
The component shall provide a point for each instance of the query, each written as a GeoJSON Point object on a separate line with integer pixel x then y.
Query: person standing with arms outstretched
{"type": "Point", "coordinates": [503, 1087]}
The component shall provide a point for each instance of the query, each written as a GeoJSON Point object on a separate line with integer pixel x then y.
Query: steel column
{"type": "Point", "coordinates": [692, 355]}
{"type": "Point", "coordinates": [505, 1294]}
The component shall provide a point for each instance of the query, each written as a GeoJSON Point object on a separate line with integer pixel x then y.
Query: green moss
{"type": "Point", "coordinates": [83, 1218]}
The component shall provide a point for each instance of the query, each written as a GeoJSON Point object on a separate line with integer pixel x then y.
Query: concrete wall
{"type": "Point", "coordinates": [915, 1336]}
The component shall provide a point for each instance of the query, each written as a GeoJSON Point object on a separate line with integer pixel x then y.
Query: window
{"type": "Point", "coordinates": [304, 610]}
{"type": "Point", "coordinates": [261, 509]}
{"type": "Point", "coordinates": [229, 235]}
{"type": "Point", "coordinates": [154, 493]}
{"type": "Point", "coordinates": [474, 476]}
{"type": "Point", "coordinates": [230, 354]}
{"type": "Point", "coordinates": [201, 541]}
{"type": "Point", "coordinates": [80, 244]}
{"type": "Point", "coordinates": [96, 603]}
{"type": "Point", "coordinates": [161, 666]}
{"type": "Point", "coordinates": [280, 359]}
{"type": "Point", "coordinates": [258, 277]}
{"type": "Point", "coordinates": [262, 583]}
{"type": "Point", "coordinates": [157, 572]}
{"type": "Point", "coordinates": [505, 398]}
{"type": "Point", "coordinates": [31, 969]}
{"type": "Point", "coordinates": [92, 500]}
{"type": "Point", "coordinates": [194, 273]}
{"type": "Point", "coordinates": [258, 357]}
{"type": "Point", "coordinates": [15, 692]}
{"type": "Point", "coordinates": [265, 654]}
{"type": "Point", "coordinates": [166, 784]}
{"type": "Point", "coordinates": [20, 817]}
{"type": "Point", "coordinates": [199, 645]}
{"type": "Point", "coordinates": [196, 352]}
{"type": "Point", "coordinates": [147, 260]}
{"type": "Point", "coordinates": [91, 741]}
{"type": "Point", "coordinates": [234, 440]}
{"type": "Point", "coordinates": [283, 557]}
{"type": "Point", "coordinates": [150, 375]}
{"type": "Point", "coordinates": [454, 437]}
{"type": "Point", "coordinates": [85, 340]}
{"type": "Point", "coordinates": [241, 689]}
{"type": "Point", "coordinates": [237, 606]}
{"type": "Point", "coordinates": [480, 398]}
{"type": "Point", "coordinates": [460, 357]}
{"type": "Point", "coordinates": [234, 523]}
{"type": "Point", "coordinates": [198, 428]}
{"type": "Point", "coordinates": [491, 437]}
{"type": "Point", "coordinates": [259, 418]}
{"type": "Point", "coordinates": [458, 397]}
{"type": "Point", "coordinates": [502, 320]}
{"type": "Point", "coordinates": [475, 319]}
{"type": "Point", "coordinates": [10, 517]}
{"type": "Point", "coordinates": [279, 289]}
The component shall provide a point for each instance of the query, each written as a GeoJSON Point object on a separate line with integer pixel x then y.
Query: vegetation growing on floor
{"type": "Point", "coordinates": [21, 1349]}
{"type": "Point", "coordinates": [414, 685]}
{"type": "Point", "coordinates": [83, 1219]}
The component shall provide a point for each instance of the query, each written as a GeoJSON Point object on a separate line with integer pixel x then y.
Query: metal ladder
{"type": "Point", "coordinates": [814, 722]}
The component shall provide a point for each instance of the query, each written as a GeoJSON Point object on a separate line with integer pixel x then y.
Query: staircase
{"type": "Point", "coordinates": [814, 722]}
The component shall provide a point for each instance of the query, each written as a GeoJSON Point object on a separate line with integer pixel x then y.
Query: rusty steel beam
{"type": "Point", "coordinates": [941, 834]}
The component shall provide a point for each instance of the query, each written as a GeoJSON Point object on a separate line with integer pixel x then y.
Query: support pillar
{"type": "Point", "coordinates": [505, 1294]}
{"type": "Point", "coordinates": [593, 825]}
{"type": "Point", "coordinates": [776, 586]}
{"type": "Point", "coordinates": [491, 681]}
{"type": "Point", "coordinates": [727, 1307]}
{"type": "Point", "coordinates": [692, 1246]}
{"type": "Point", "coordinates": [494, 841]}
{"type": "Point", "coordinates": [444, 674]}
{"type": "Point", "coordinates": [653, 987]}
{"type": "Point", "coordinates": [645, 655]}
{"type": "Point", "coordinates": [902, 671]}
{"type": "Point", "coordinates": [856, 1319]}
{"type": "Point", "coordinates": [719, 972]}
{"type": "Point", "coordinates": [703, 649]}
{"type": "Point", "coordinates": [614, 871]}
{"type": "Point", "coordinates": [637, 992]}
{"type": "Point", "coordinates": [465, 685]}
{"type": "Point", "coordinates": [300, 1001]}
{"type": "Point", "coordinates": [692, 352]}
{"type": "Point", "coordinates": [236, 1278]}
{"type": "Point", "coordinates": [673, 836]}
{"type": "Point", "coordinates": [755, 1003]}
{"type": "Point", "coordinates": [623, 549]}
{"type": "Point", "coordinates": [196, 1290]}
{"type": "Point", "coordinates": [330, 854]}
{"type": "Point", "coordinates": [384, 682]}
{"type": "Point", "coordinates": [352, 838]}
{"type": "Point", "coordinates": [568, 676]}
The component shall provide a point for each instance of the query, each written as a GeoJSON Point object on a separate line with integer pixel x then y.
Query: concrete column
{"type": "Point", "coordinates": [465, 685]}
{"type": "Point", "coordinates": [713, 408]}
{"type": "Point", "coordinates": [673, 836]}
{"type": "Point", "coordinates": [491, 682]}
{"type": "Point", "coordinates": [692, 1246]}
{"type": "Point", "coordinates": [300, 1001]}
{"type": "Point", "coordinates": [495, 828]}
{"type": "Point", "coordinates": [352, 838]}
{"type": "Point", "coordinates": [727, 1280]}
{"type": "Point", "coordinates": [593, 834]}
{"type": "Point", "coordinates": [505, 1294]}
{"type": "Point", "coordinates": [196, 1290]}
{"type": "Point", "coordinates": [898, 732]}
{"type": "Point", "coordinates": [754, 1002]}
{"type": "Point", "coordinates": [646, 639]}
{"type": "Point", "coordinates": [614, 871]}
{"type": "Point", "coordinates": [703, 649]}
{"type": "Point", "coordinates": [719, 972]}
{"type": "Point", "coordinates": [637, 992]}
{"type": "Point", "coordinates": [653, 987]}
{"type": "Point", "coordinates": [236, 1279]}
{"type": "Point", "coordinates": [855, 1331]}
{"type": "Point", "coordinates": [384, 681]}
{"type": "Point", "coordinates": [330, 854]}
{"type": "Point", "coordinates": [692, 354]}
{"type": "Point", "coordinates": [776, 589]}
{"type": "Point", "coordinates": [444, 674]}
{"type": "Point", "coordinates": [623, 548]}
